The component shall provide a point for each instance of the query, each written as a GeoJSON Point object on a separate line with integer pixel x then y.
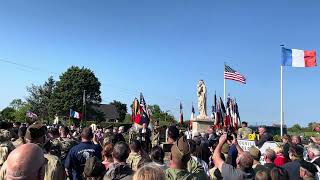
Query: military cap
{"type": "Point", "coordinates": [181, 149]}
{"type": "Point", "coordinates": [309, 167]}
{"type": "Point", "coordinates": [36, 131]}
{"type": "Point", "coordinates": [254, 152]}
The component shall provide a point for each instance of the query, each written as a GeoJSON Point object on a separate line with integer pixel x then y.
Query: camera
{"type": "Point", "coordinates": [229, 136]}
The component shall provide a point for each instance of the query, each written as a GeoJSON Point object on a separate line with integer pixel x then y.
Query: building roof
{"type": "Point", "coordinates": [109, 110]}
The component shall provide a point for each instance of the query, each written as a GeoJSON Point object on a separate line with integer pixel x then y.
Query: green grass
{"type": "Point", "coordinates": [305, 134]}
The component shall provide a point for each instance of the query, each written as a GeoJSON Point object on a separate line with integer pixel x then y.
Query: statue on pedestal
{"type": "Point", "coordinates": [202, 100]}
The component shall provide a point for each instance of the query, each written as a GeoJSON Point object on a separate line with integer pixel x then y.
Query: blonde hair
{"type": "Point", "coordinates": [278, 149]}
{"type": "Point", "coordinates": [149, 172]}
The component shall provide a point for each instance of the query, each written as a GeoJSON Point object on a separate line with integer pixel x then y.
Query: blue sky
{"type": "Point", "coordinates": [163, 48]}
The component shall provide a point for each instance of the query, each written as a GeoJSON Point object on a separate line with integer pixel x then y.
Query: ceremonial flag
{"type": "Point", "coordinates": [232, 74]}
{"type": "Point", "coordinates": [145, 118]}
{"type": "Point", "coordinates": [135, 117]}
{"type": "Point", "coordinates": [75, 114]}
{"type": "Point", "coordinates": [192, 116]}
{"type": "Point", "coordinates": [32, 115]}
{"type": "Point", "coordinates": [181, 114]}
{"type": "Point", "coordinates": [298, 58]}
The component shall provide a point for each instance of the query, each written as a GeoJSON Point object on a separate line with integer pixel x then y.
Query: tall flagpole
{"type": "Point", "coordinates": [224, 89]}
{"type": "Point", "coordinates": [224, 84]}
{"type": "Point", "coordinates": [281, 102]}
{"type": "Point", "coordinates": [281, 99]}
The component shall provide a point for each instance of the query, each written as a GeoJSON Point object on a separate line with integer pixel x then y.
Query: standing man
{"type": "Point", "coordinates": [264, 137]}
{"type": "Point", "coordinates": [78, 155]}
{"type": "Point", "coordinates": [179, 158]}
{"type": "Point", "coordinates": [36, 133]}
{"type": "Point", "coordinates": [155, 135]}
{"type": "Point", "coordinates": [244, 131]}
{"type": "Point", "coordinates": [145, 135]}
{"type": "Point", "coordinates": [26, 162]}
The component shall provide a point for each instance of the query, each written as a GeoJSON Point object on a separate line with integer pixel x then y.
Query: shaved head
{"type": "Point", "coordinates": [26, 162]}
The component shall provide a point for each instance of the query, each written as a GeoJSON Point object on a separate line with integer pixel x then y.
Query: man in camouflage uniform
{"type": "Point", "coordinates": [63, 143]}
{"type": "Point", "coordinates": [6, 145]}
{"type": "Point", "coordinates": [155, 136]}
{"type": "Point", "coordinates": [134, 156]}
{"type": "Point", "coordinates": [244, 131]}
{"type": "Point", "coordinates": [133, 134]}
{"type": "Point", "coordinates": [21, 133]}
{"type": "Point", "coordinates": [53, 169]}
{"type": "Point", "coordinates": [180, 156]}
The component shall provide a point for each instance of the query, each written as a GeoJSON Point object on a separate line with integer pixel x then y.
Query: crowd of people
{"type": "Point", "coordinates": [37, 151]}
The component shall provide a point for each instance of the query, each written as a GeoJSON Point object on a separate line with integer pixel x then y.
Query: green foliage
{"type": "Point", "coordinates": [20, 114]}
{"type": "Point", "coordinates": [41, 100]}
{"type": "Point", "coordinates": [295, 128]}
{"type": "Point", "coordinates": [8, 113]}
{"type": "Point", "coordinates": [158, 114]}
{"type": "Point", "coordinates": [69, 91]}
{"type": "Point", "coordinates": [127, 119]}
{"type": "Point", "coordinates": [16, 104]}
{"type": "Point", "coordinates": [121, 108]}
{"type": "Point", "coordinates": [277, 138]}
{"type": "Point", "coordinates": [16, 111]}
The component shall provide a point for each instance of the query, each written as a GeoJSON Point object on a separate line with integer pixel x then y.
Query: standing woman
{"type": "Point", "coordinates": [286, 139]}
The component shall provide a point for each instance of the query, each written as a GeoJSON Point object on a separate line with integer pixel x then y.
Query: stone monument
{"type": "Point", "coordinates": [202, 100]}
{"type": "Point", "coordinates": [202, 122]}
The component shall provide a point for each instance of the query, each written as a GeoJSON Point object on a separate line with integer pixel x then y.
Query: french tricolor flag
{"type": "Point", "coordinates": [75, 114]}
{"type": "Point", "coordinates": [298, 58]}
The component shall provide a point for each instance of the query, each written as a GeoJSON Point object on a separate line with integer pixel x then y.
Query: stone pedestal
{"type": "Point", "coordinates": [201, 125]}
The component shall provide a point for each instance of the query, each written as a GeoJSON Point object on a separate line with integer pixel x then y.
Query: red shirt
{"type": "Point", "coordinates": [280, 160]}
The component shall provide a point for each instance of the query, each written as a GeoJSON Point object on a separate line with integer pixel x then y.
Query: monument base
{"type": "Point", "coordinates": [201, 125]}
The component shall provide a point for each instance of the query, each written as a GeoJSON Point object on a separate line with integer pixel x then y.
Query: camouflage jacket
{"type": "Point", "coordinates": [133, 160]}
{"type": "Point", "coordinates": [178, 174]}
{"type": "Point", "coordinates": [196, 169]}
{"type": "Point", "coordinates": [5, 149]}
{"type": "Point", "coordinates": [18, 142]}
{"type": "Point", "coordinates": [61, 146]}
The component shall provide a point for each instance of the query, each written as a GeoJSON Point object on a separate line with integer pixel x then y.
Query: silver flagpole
{"type": "Point", "coordinates": [281, 102]}
{"type": "Point", "coordinates": [224, 84]}
{"type": "Point", "coordinates": [281, 97]}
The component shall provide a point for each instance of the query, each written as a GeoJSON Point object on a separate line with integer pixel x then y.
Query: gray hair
{"type": "Point", "coordinates": [315, 150]}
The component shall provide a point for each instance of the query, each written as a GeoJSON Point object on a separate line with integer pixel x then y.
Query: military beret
{"type": "Point", "coordinates": [254, 152]}
{"type": "Point", "coordinates": [309, 167]}
{"type": "Point", "coordinates": [181, 149]}
{"type": "Point", "coordinates": [36, 131]}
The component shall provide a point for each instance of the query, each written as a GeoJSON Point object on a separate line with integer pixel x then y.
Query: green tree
{"type": "Point", "coordinates": [20, 114]}
{"type": "Point", "coordinates": [69, 91]}
{"type": "Point", "coordinates": [121, 109]}
{"type": "Point", "coordinates": [8, 113]}
{"type": "Point", "coordinates": [158, 114]}
{"type": "Point", "coordinates": [16, 104]}
{"type": "Point", "coordinates": [41, 99]}
{"type": "Point", "coordinates": [295, 128]}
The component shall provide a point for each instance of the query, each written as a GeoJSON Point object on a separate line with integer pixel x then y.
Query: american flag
{"type": "Point", "coordinates": [231, 74]}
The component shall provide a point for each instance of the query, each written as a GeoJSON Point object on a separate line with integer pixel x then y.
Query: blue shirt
{"type": "Point", "coordinates": [78, 155]}
{"type": "Point", "coordinates": [233, 154]}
